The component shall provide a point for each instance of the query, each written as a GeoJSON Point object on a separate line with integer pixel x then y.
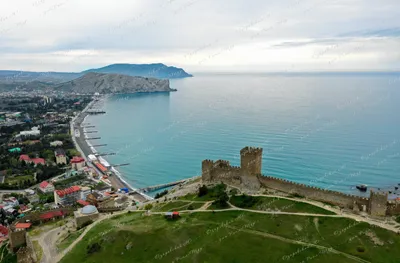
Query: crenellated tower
{"type": "Point", "coordinates": [251, 160]}
{"type": "Point", "coordinates": [206, 169]}
{"type": "Point", "coordinates": [378, 203]}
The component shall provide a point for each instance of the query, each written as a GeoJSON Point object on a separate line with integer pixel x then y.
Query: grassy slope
{"type": "Point", "coordinates": [176, 206]}
{"type": "Point", "coordinates": [205, 240]}
{"type": "Point", "coordinates": [280, 204]}
{"type": "Point", "coordinates": [69, 239]}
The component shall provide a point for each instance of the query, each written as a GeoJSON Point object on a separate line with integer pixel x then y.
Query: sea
{"type": "Point", "coordinates": [333, 131]}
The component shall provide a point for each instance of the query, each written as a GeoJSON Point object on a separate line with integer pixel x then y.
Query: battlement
{"type": "Point", "coordinates": [222, 163]}
{"type": "Point", "coordinates": [208, 161]}
{"type": "Point", "coordinates": [251, 150]}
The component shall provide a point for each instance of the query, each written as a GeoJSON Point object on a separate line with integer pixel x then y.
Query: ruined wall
{"type": "Point", "coordinates": [393, 208]}
{"type": "Point", "coordinates": [378, 203]}
{"type": "Point", "coordinates": [17, 239]}
{"type": "Point", "coordinates": [206, 167]}
{"type": "Point", "coordinates": [315, 193]}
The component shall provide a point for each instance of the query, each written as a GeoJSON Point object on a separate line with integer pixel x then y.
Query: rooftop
{"type": "Point", "coordinates": [68, 191]}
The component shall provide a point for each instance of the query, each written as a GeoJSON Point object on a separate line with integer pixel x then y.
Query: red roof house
{"type": "Point", "coordinates": [38, 161]}
{"type": "Point", "coordinates": [3, 231]}
{"type": "Point", "coordinates": [24, 157]}
{"type": "Point", "coordinates": [77, 159]}
{"type": "Point", "coordinates": [46, 187]}
{"type": "Point", "coordinates": [68, 191]}
{"type": "Point", "coordinates": [52, 214]}
{"type": "Point", "coordinates": [23, 225]}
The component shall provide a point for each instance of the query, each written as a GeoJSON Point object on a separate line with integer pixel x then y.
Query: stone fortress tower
{"type": "Point", "coordinates": [251, 160]}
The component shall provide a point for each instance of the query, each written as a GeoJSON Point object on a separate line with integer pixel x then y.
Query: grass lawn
{"type": "Point", "coordinates": [38, 250]}
{"type": "Point", "coordinates": [6, 256]}
{"type": "Point", "coordinates": [69, 239]}
{"type": "Point", "coordinates": [233, 236]}
{"type": "Point", "coordinates": [276, 204]}
{"type": "Point", "coordinates": [17, 179]}
{"type": "Point", "coordinates": [176, 206]}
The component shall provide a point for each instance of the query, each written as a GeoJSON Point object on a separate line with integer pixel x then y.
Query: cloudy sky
{"type": "Point", "coordinates": [201, 35]}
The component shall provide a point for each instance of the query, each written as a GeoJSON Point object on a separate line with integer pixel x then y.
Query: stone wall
{"type": "Point", "coordinates": [17, 239]}
{"type": "Point", "coordinates": [315, 193]}
{"type": "Point", "coordinates": [393, 208]}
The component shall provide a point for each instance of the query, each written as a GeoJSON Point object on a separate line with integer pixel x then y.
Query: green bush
{"type": "Point", "coordinates": [203, 190]}
{"type": "Point", "coordinates": [244, 201]}
{"type": "Point", "coordinates": [190, 207]}
{"type": "Point", "coordinates": [148, 207]}
{"type": "Point", "coordinates": [398, 219]}
{"type": "Point", "coordinates": [93, 248]}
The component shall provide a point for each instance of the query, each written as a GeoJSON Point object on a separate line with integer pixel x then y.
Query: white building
{"type": "Point", "coordinates": [85, 191]}
{"type": "Point", "coordinates": [67, 196]}
{"type": "Point", "coordinates": [56, 143]}
{"type": "Point", "coordinates": [46, 187]}
{"type": "Point", "coordinates": [33, 131]}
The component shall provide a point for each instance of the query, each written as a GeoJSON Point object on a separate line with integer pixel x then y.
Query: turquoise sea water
{"type": "Point", "coordinates": [329, 131]}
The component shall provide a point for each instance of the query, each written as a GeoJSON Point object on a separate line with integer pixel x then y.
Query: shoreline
{"type": "Point", "coordinates": [86, 148]}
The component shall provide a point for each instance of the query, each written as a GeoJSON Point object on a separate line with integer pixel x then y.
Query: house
{"type": "Point", "coordinates": [3, 231]}
{"type": "Point", "coordinates": [93, 198]}
{"type": "Point", "coordinates": [20, 226]}
{"type": "Point", "coordinates": [56, 143]}
{"type": "Point", "coordinates": [67, 196]}
{"type": "Point", "coordinates": [33, 199]}
{"type": "Point", "coordinates": [34, 131]}
{"type": "Point", "coordinates": [83, 202]}
{"type": "Point", "coordinates": [27, 159]}
{"type": "Point", "coordinates": [52, 215]}
{"type": "Point", "coordinates": [46, 187]}
{"type": "Point", "coordinates": [11, 201]}
{"type": "Point", "coordinates": [61, 157]}
{"type": "Point", "coordinates": [77, 163]}
{"type": "Point", "coordinates": [102, 189]}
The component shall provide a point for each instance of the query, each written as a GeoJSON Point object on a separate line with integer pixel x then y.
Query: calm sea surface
{"type": "Point", "coordinates": [329, 131]}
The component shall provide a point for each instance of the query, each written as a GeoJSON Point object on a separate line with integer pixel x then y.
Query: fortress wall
{"type": "Point", "coordinates": [393, 208]}
{"type": "Point", "coordinates": [227, 174]}
{"type": "Point", "coordinates": [333, 197]}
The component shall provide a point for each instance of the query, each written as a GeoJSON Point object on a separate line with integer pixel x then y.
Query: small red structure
{"type": "Point", "coordinates": [3, 231]}
{"type": "Point", "coordinates": [83, 202]}
{"type": "Point", "coordinates": [23, 225]}
{"type": "Point", "coordinates": [50, 215]}
{"type": "Point", "coordinates": [27, 159]}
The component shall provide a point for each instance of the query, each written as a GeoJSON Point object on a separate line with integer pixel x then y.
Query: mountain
{"type": "Point", "coordinates": [22, 80]}
{"type": "Point", "coordinates": [91, 83]}
{"type": "Point", "coordinates": [157, 70]}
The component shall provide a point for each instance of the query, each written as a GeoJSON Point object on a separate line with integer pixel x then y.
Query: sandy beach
{"type": "Point", "coordinates": [85, 150]}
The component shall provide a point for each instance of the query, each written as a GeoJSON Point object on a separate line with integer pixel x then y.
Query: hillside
{"type": "Point", "coordinates": [157, 70]}
{"type": "Point", "coordinates": [113, 83]}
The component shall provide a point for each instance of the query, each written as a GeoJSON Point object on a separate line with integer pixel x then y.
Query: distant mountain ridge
{"type": "Point", "coordinates": [157, 70]}
{"type": "Point", "coordinates": [10, 79]}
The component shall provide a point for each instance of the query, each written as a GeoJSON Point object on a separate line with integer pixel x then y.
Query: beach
{"type": "Point", "coordinates": [85, 149]}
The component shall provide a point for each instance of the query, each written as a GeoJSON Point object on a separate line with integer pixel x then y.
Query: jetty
{"type": "Point", "coordinates": [93, 138]}
{"type": "Point", "coordinates": [99, 145]}
{"type": "Point", "coordinates": [161, 186]}
{"type": "Point", "coordinates": [89, 131]}
{"type": "Point", "coordinates": [90, 126]}
{"type": "Point", "coordinates": [119, 165]}
{"type": "Point", "coordinates": [95, 111]}
{"type": "Point", "coordinates": [104, 154]}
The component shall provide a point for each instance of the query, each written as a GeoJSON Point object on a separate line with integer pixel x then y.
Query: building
{"type": "Point", "coordinates": [46, 187]}
{"type": "Point", "coordinates": [11, 201]}
{"type": "Point", "coordinates": [172, 215]}
{"type": "Point", "coordinates": [33, 132]}
{"type": "Point", "coordinates": [67, 196]}
{"type": "Point", "coordinates": [20, 226]}
{"type": "Point", "coordinates": [61, 157]}
{"type": "Point", "coordinates": [27, 159]}
{"type": "Point", "coordinates": [56, 143]}
{"type": "Point", "coordinates": [77, 163]}
{"type": "Point", "coordinates": [85, 215]}
{"type": "Point", "coordinates": [85, 191]}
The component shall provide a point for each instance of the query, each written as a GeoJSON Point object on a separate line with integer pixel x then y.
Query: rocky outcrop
{"type": "Point", "coordinates": [102, 83]}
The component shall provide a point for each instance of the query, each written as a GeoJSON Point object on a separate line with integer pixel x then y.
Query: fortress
{"type": "Point", "coordinates": [248, 176]}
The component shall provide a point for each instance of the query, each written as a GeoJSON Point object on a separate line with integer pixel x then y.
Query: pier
{"type": "Point", "coordinates": [93, 112]}
{"type": "Point", "coordinates": [90, 126]}
{"type": "Point", "coordinates": [104, 154]}
{"type": "Point", "coordinates": [161, 186]}
{"type": "Point", "coordinates": [99, 145]}
{"type": "Point", "coordinates": [90, 132]}
{"type": "Point", "coordinates": [119, 165]}
{"type": "Point", "coordinates": [93, 138]}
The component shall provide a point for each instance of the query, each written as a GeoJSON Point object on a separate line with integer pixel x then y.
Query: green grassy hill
{"type": "Point", "coordinates": [234, 236]}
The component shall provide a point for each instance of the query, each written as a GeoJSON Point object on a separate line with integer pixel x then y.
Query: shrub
{"type": "Point", "coordinates": [148, 207]}
{"type": "Point", "coordinates": [360, 249]}
{"type": "Point", "coordinates": [398, 219]}
{"type": "Point", "coordinates": [93, 248]}
{"type": "Point", "coordinates": [159, 195]}
{"type": "Point", "coordinates": [203, 190]}
{"type": "Point", "coordinates": [190, 207]}
{"type": "Point", "coordinates": [244, 201]}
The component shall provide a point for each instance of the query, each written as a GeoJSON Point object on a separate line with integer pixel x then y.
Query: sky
{"type": "Point", "coordinates": [201, 35]}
